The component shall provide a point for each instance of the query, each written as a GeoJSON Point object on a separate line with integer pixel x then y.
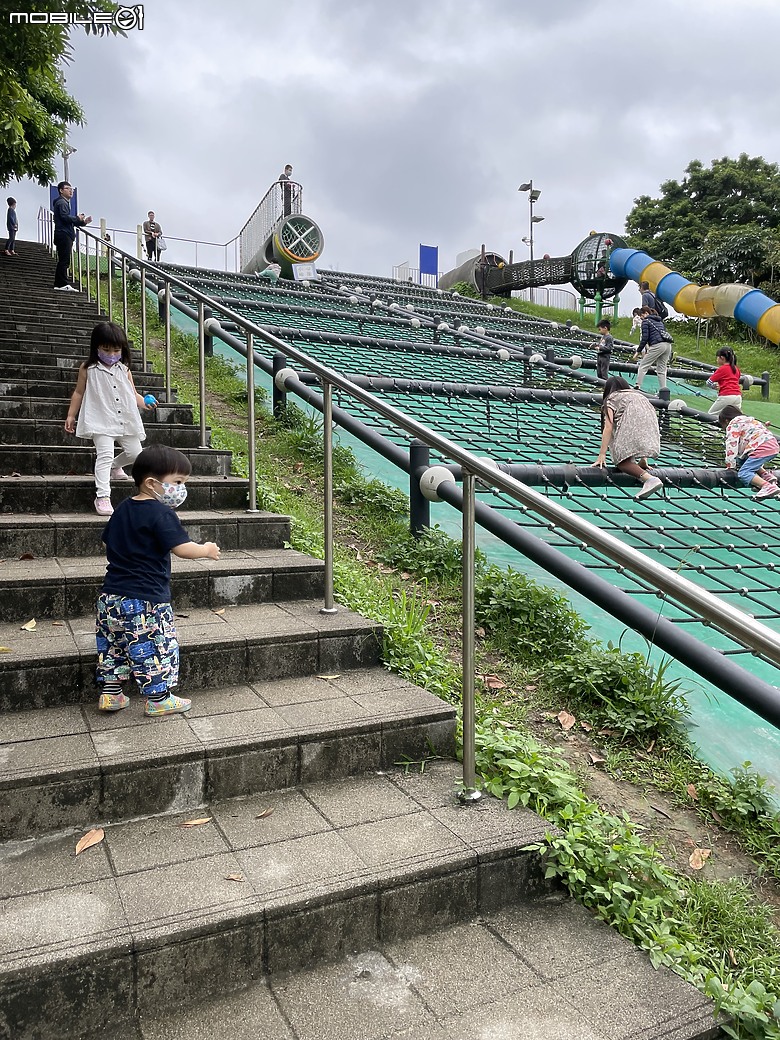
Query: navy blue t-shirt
{"type": "Point", "coordinates": [139, 538]}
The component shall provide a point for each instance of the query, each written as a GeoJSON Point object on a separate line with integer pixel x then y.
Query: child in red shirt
{"type": "Point", "coordinates": [726, 379]}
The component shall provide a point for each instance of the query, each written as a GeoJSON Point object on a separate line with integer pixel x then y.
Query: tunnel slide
{"type": "Point", "coordinates": [750, 306]}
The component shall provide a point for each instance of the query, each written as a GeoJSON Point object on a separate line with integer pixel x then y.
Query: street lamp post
{"type": "Point", "coordinates": [533, 195]}
{"type": "Point", "coordinates": [66, 151]}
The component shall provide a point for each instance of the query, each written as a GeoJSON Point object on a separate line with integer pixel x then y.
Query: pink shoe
{"type": "Point", "coordinates": [119, 474]}
{"type": "Point", "coordinates": [769, 489]}
{"type": "Point", "coordinates": [103, 507]}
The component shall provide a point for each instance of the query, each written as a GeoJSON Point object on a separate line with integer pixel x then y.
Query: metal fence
{"type": "Point", "coordinates": [283, 199]}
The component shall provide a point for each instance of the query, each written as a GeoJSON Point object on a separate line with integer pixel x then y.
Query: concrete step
{"type": "Point", "coordinates": [65, 370]}
{"type": "Point", "coordinates": [71, 341]}
{"type": "Point", "coordinates": [51, 460]}
{"type": "Point", "coordinates": [54, 664]}
{"type": "Point", "coordinates": [78, 534]}
{"type": "Point", "coordinates": [61, 389]}
{"type": "Point", "coordinates": [23, 407]}
{"type": "Point", "coordinates": [51, 432]}
{"type": "Point", "coordinates": [67, 587]}
{"type": "Point", "coordinates": [74, 766]}
{"type": "Point", "coordinates": [154, 917]}
{"type": "Point", "coordinates": [66, 494]}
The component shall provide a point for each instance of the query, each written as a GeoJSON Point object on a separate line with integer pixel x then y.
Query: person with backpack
{"type": "Point", "coordinates": [651, 301]}
{"type": "Point", "coordinates": [657, 345]}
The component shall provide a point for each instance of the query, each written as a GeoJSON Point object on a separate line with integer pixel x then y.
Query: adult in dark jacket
{"type": "Point", "coordinates": [65, 234]}
{"type": "Point", "coordinates": [657, 349]}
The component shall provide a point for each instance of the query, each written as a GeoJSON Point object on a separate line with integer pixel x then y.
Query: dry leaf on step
{"type": "Point", "coordinates": [586, 726]}
{"type": "Point", "coordinates": [30, 626]}
{"type": "Point", "coordinates": [566, 720]}
{"type": "Point", "coordinates": [265, 813]}
{"type": "Point", "coordinates": [595, 760]}
{"type": "Point", "coordinates": [93, 837]}
{"type": "Point", "coordinates": [6, 650]}
{"type": "Point", "coordinates": [234, 877]}
{"type": "Point", "coordinates": [336, 676]}
{"type": "Point", "coordinates": [699, 857]}
{"type": "Point", "coordinates": [220, 611]}
{"type": "Point", "coordinates": [27, 556]}
{"type": "Point", "coordinates": [58, 624]}
{"type": "Point", "coordinates": [196, 823]}
{"type": "Point", "coordinates": [493, 682]}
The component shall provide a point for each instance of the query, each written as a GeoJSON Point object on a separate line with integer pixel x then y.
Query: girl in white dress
{"type": "Point", "coordinates": [107, 403]}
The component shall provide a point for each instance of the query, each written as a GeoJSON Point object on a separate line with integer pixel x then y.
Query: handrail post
{"type": "Point", "coordinates": [97, 275]}
{"type": "Point", "coordinates": [86, 264]}
{"type": "Point", "coordinates": [251, 432]}
{"type": "Point", "coordinates": [327, 469]}
{"type": "Point", "coordinates": [109, 286]}
{"type": "Point", "coordinates": [167, 298]}
{"type": "Point", "coordinates": [78, 259]}
{"type": "Point", "coordinates": [469, 792]}
{"type": "Point", "coordinates": [202, 374]}
{"type": "Point", "coordinates": [419, 506]}
{"type": "Point", "coordinates": [143, 318]}
{"type": "Point", "coordinates": [124, 292]}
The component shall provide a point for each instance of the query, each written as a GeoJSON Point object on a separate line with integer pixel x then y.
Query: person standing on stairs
{"type": "Point", "coordinates": [65, 234]}
{"type": "Point", "coordinates": [106, 403]}
{"type": "Point", "coordinates": [135, 629]}
{"type": "Point", "coordinates": [12, 226]}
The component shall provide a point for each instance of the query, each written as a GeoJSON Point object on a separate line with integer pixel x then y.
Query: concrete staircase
{"type": "Point", "coordinates": [254, 843]}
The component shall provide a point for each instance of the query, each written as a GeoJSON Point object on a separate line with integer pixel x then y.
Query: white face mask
{"type": "Point", "coordinates": [173, 495]}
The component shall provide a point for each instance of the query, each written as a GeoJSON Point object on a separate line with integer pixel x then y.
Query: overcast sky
{"type": "Point", "coordinates": [413, 121]}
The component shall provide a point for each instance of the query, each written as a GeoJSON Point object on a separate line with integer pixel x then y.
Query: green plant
{"type": "Point", "coordinates": [623, 691]}
{"type": "Point", "coordinates": [747, 797]}
{"type": "Point", "coordinates": [432, 556]}
{"type": "Point", "coordinates": [525, 619]}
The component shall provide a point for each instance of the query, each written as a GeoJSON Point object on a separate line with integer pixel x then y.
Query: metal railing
{"type": "Point", "coordinates": [438, 483]}
{"type": "Point", "coordinates": [283, 199]}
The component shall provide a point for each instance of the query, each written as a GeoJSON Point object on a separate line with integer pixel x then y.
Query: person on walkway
{"type": "Point", "coordinates": [65, 234]}
{"type": "Point", "coordinates": [750, 447]}
{"type": "Point", "coordinates": [725, 379]}
{"type": "Point", "coordinates": [287, 190]}
{"type": "Point", "coordinates": [630, 429]}
{"type": "Point", "coordinates": [636, 320]}
{"type": "Point", "coordinates": [604, 349]}
{"type": "Point", "coordinates": [135, 630]}
{"type": "Point", "coordinates": [152, 232]}
{"type": "Point", "coordinates": [656, 343]}
{"type": "Point", "coordinates": [12, 224]}
{"type": "Point", "coordinates": [106, 403]}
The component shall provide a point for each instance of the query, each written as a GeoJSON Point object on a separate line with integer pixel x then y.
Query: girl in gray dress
{"type": "Point", "coordinates": [630, 430]}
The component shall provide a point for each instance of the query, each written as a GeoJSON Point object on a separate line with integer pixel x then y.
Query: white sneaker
{"type": "Point", "coordinates": [119, 474]}
{"type": "Point", "coordinates": [65, 288]}
{"type": "Point", "coordinates": [649, 487]}
{"type": "Point", "coordinates": [103, 507]}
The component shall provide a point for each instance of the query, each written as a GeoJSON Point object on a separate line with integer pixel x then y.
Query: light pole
{"type": "Point", "coordinates": [533, 195]}
{"type": "Point", "coordinates": [66, 151]}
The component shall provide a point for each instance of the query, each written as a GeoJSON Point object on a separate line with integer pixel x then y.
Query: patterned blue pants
{"type": "Point", "coordinates": [139, 639]}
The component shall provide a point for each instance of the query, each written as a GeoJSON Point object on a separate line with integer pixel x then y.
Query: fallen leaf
{"type": "Point", "coordinates": [606, 732]}
{"type": "Point", "coordinates": [699, 857]}
{"type": "Point", "coordinates": [336, 676]}
{"type": "Point", "coordinates": [404, 574]}
{"type": "Point", "coordinates": [692, 792]}
{"type": "Point", "coordinates": [297, 467]}
{"type": "Point", "coordinates": [493, 682]}
{"type": "Point", "coordinates": [220, 611]}
{"type": "Point", "coordinates": [196, 823]}
{"type": "Point", "coordinates": [480, 632]}
{"type": "Point", "coordinates": [566, 720]}
{"type": "Point", "coordinates": [182, 615]}
{"type": "Point", "coordinates": [6, 650]}
{"type": "Point", "coordinates": [30, 626]}
{"type": "Point", "coordinates": [93, 837]}
{"type": "Point", "coordinates": [265, 813]}
{"type": "Point", "coordinates": [586, 726]}
{"type": "Point", "coordinates": [27, 556]}
{"type": "Point", "coordinates": [650, 747]}
{"type": "Point", "coordinates": [234, 877]}
{"type": "Point", "coordinates": [596, 760]}
{"type": "Point", "coordinates": [531, 688]}
{"type": "Point", "coordinates": [716, 816]}
{"type": "Point", "coordinates": [732, 958]}
{"type": "Point", "coordinates": [663, 812]}
{"type": "Point", "coordinates": [58, 624]}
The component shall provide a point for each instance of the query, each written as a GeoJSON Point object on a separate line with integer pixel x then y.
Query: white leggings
{"type": "Point", "coordinates": [105, 461]}
{"type": "Point", "coordinates": [721, 402]}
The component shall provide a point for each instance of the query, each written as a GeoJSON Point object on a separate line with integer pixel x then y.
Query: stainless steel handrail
{"type": "Point", "coordinates": [731, 621]}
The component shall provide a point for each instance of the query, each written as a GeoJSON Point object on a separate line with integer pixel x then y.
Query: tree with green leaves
{"type": "Point", "coordinates": [35, 106]}
{"type": "Point", "coordinates": [734, 204]}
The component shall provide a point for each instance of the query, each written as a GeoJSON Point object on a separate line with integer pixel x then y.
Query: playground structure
{"type": "Point", "coordinates": [587, 268]}
{"type": "Point", "coordinates": [733, 300]}
{"type": "Point", "coordinates": [279, 232]}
